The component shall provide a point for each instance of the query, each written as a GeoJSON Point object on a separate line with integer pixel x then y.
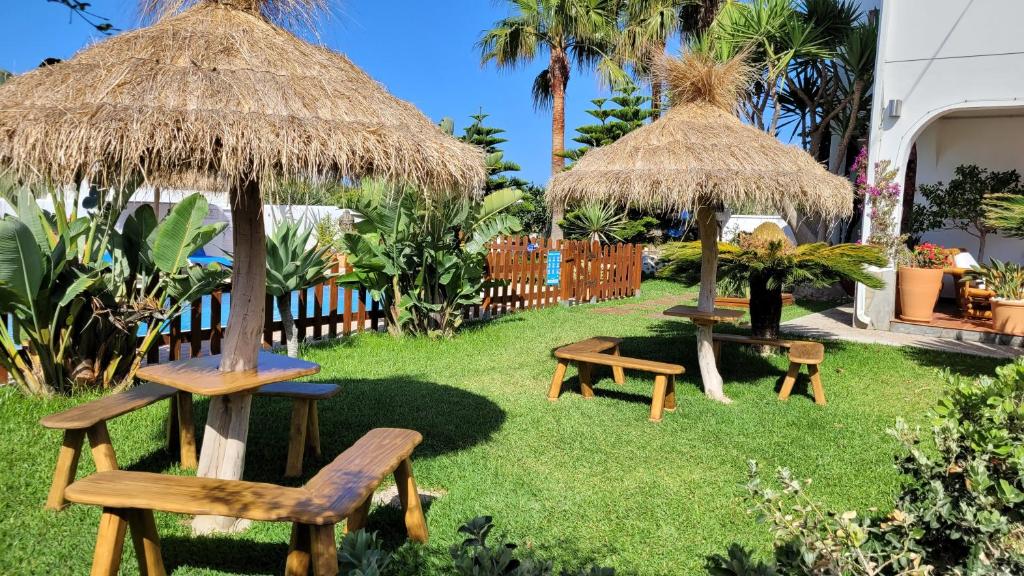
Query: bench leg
{"type": "Point", "coordinates": [556, 380]}
{"type": "Point", "coordinates": [67, 465]}
{"type": "Point", "coordinates": [415, 522]}
{"type": "Point", "coordinates": [146, 542]}
{"type": "Point", "coordinates": [297, 438]}
{"type": "Point", "coordinates": [716, 347]}
{"type": "Point", "coordinates": [106, 561]}
{"type": "Point", "coordinates": [586, 375]}
{"type": "Point", "coordinates": [358, 518]}
{"type": "Point", "coordinates": [173, 428]}
{"type": "Point", "coordinates": [299, 551]}
{"type": "Point", "coordinates": [787, 384]}
{"type": "Point", "coordinates": [186, 430]}
{"type": "Point", "coordinates": [819, 390]}
{"type": "Point", "coordinates": [618, 372]}
{"type": "Point", "coordinates": [102, 450]}
{"type": "Point", "coordinates": [325, 551]}
{"type": "Point", "coordinates": [313, 430]}
{"type": "Point", "coordinates": [670, 395]}
{"type": "Point", "coordinates": [658, 401]}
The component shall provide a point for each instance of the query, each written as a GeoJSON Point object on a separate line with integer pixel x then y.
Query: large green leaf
{"type": "Point", "coordinates": [173, 242]}
{"type": "Point", "coordinates": [21, 260]}
{"type": "Point", "coordinates": [32, 216]}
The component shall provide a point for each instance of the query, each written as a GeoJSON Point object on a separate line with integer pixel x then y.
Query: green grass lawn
{"type": "Point", "coordinates": [578, 481]}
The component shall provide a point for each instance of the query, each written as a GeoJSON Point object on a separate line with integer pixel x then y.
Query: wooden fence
{"type": "Point", "coordinates": [588, 272]}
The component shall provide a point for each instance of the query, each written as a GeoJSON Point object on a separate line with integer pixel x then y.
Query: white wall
{"type": "Point", "coordinates": [996, 143]}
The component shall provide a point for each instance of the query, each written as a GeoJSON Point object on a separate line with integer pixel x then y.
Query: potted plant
{"type": "Point", "coordinates": [1006, 279]}
{"type": "Point", "coordinates": [920, 281]}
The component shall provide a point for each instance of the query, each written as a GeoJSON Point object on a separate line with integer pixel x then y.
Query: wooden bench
{"type": "Point", "coordinates": [811, 354]}
{"type": "Point", "coordinates": [305, 424]}
{"type": "Point", "coordinates": [90, 419]}
{"type": "Point", "coordinates": [342, 490]}
{"type": "Point", "coordinates": [604, 351]}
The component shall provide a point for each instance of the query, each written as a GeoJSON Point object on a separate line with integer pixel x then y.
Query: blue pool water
{"type": "Point", "coordinates": [225, 305]}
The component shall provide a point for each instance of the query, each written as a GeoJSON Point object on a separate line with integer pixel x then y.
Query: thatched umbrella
{"type": "Point", "coordinates": [218, 91]}
{"type": "Point", "coordinates": [700, 157]}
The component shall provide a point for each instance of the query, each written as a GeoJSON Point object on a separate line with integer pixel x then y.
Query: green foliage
{"type": "Point", "coordinates": [594, 221]}
{"type": "Point", "coordinates": [961, 509]}
{"type": "Point", "coordinates": [76, 313]}
{"type": "Point", "coordinates": [960, 204]}
{"type": "Point", "coordinates": [629, 113]}
{"type": "Point", "coordinates": [531, 210]}
{"type": "Point", "coordinates": [1005, 213]}
{"type": "Point", "coordinates": [1006, 279]}
{"type": "Point", "coordinates": [425, 263]}
{"type": "Point", "coordinates": [362, 554]}
{"type": "Point", "coordinates": [476, 557]}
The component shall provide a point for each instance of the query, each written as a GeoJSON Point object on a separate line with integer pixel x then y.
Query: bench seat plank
{"type": "Point", "coordinates": [623, 361]}
{"type": "Point", "coordinates": [328, 498]}
{"type": "Point", "coordinates": [307, 390]}
{"type": "Point", "coordinates": [596, 344]}
{"type": "Point", "coordinates": [91, 413]}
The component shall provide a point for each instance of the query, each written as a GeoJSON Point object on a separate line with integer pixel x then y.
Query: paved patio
{"type": "Point", "coordinates": [836, 324]}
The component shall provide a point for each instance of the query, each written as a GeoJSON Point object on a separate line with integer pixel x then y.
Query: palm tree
{"type": "Point", "coordinates": [570, 32]}
{"type": "Point", "coordinates": [647, 27]}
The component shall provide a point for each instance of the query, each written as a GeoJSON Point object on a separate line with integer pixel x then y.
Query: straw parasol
{"type": "Point", "coordinates": [700, 157]}
{"type": "Point", "coordinates": [220, 92]}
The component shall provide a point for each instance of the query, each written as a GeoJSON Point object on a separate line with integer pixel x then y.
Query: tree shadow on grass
{"type": "Point", "coordinates": [962, 364]}
{"type": "Point", "coordinates": [224, 554]}
{"type": "Point", "coordinates": [450, 419]}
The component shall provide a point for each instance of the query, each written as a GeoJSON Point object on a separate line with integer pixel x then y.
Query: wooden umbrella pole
{"type": "Point", "coordinates": [227, 425]}
{"type": "Point", "coordinates": [707, 225]}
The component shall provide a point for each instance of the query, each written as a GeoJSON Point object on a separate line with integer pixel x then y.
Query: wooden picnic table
{"type": "Point", "coordinates": [227, 425]}
{"type": "Point", "coordinates": [701, 317]}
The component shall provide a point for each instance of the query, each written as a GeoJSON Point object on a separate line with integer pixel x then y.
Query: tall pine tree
{"type": "Point", "coordinates": [499, 170]}
{"type": "Point", "coordinates": [629, 112]}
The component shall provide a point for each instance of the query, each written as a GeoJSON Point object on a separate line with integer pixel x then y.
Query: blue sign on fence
{"type": "Point", "coordinates": [554, 267]}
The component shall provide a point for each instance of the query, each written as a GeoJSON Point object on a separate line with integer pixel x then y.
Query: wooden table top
{"type": "Point", "coordinates": [701, 317]}
{"type": "Point", "coordinates": [203, 376]}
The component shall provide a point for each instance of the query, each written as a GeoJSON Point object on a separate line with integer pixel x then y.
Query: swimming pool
{"type": "Point", "coordinates": [225, 307]}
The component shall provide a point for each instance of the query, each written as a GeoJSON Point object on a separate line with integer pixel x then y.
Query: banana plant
{"type": "Point", "coordinates": [77, 290]}
{"type": "Point", "coordinates": [292, 266]}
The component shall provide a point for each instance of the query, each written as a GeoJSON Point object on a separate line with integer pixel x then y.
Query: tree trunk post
{"type": "Point", "coordinates": [707, 225]}
{"type": "Point", "coordinates": [291, 334]}
{"type": "Point", "coordinates": [227, 425]}
{"type": "Point", "coordinates": [558, 73]}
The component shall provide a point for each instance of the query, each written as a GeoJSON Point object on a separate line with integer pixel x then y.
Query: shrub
{"type": "Point", "coordinates": [959, 512]}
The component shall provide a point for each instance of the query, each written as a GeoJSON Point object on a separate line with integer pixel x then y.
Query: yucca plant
{"type": "Point", "coordinates": [595, 222]}
{"type": "Point", "coordinates": [293, 265]}
{"type": "Point", "coordinates": [768, 262]}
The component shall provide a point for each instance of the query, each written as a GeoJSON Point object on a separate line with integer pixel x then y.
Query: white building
{"type": "Point", "coordinates": [950, 82]}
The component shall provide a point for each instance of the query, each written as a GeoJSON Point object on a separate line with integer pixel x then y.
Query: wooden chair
{"type": "Point", "coordinates": [90, 420]}
{"type": "Point", "coordinates": [811, 354]}
{"type": "Point", "coordinates": [342, 490]}
{"type": "Point", "coordinates": [591, 352]}
{"type": "Point", "coordinates": [305, 424]}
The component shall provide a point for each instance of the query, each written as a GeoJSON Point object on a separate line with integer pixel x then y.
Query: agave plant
{"type": "Point", "coordinates": [291, 266]}
{"type": "Point", "coordinates": [766, 262]}
{"type": "Point", "coordinates": [1006, 279]}
{"type": "Point", "coordinates": [596, 222]}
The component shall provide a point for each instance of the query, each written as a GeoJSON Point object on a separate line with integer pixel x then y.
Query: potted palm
{"type": "Point", "coordinates": [920, 281]}
{"type": "Point", "coordinates": [1006, 279]}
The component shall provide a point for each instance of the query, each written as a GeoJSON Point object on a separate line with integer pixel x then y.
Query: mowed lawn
{"type": "Point", "coordinates": [576, 481]}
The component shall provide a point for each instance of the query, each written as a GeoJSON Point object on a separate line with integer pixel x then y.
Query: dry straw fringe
{"type": "Point", "coordinates": [218, 94]}
{"type": "Point", "coordinates": [700, 154]}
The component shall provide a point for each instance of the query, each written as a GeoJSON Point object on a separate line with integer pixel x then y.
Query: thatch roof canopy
{"type": "Point", "coordinates": [700, 154]}
{"type": "Point", "coordinates": [218, 92]}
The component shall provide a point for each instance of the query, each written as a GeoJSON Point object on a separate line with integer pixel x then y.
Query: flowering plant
{"type": "Point", "coordinates": [881, 199]}
{"type": "Point", "coordinates": [928, 255]}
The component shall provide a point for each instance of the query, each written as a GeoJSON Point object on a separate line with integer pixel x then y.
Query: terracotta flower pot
{"type": "Point", "coordinates": [1008, 316]}
{"type": "Point", "coordinates": [919, 291]}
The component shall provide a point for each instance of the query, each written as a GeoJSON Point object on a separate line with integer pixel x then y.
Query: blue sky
{"type": "Point", "coordinates": [426, 56]}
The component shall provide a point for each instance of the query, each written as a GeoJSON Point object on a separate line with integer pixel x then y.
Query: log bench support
{"type": "Point", "coordinates": [604, 351]}
{"type": "Point", "coordinates": [89, 420]}
{"type": "Point", "coordinates": [342, 491]}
